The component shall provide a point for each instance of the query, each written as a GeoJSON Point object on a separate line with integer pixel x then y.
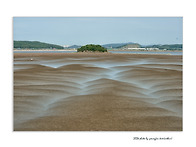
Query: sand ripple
{"type": "Point", "coordinates": [71, 92]}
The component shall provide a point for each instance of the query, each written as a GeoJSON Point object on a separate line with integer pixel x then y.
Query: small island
{"type": "Point", "coordinates": [92, 48]}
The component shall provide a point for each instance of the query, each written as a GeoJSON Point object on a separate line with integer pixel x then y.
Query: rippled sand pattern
{"type": "Point", "coordinates": [97, 92]}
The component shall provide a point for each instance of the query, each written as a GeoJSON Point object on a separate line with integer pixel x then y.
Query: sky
{"type": "Point", "coordinates": [99, 30]}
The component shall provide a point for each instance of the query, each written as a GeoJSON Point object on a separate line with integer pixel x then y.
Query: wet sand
{"type": "Point", "coordinates": [97, 92]}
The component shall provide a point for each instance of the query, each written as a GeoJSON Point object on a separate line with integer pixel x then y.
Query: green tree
{"type": "Point", "coordinates": [92, 48]}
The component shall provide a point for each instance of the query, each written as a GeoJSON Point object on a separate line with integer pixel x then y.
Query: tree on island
{"type": "Point", "coordinates": [92, 48]}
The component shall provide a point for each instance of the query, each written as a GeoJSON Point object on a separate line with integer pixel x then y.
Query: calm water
{"type": "Point", "coordinates": [121, 52]}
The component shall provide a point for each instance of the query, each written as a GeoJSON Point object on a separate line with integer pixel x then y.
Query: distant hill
{"type": "Point", "coordinates": [74, 46]}
{"type": "Point", "coordinates": [111, 45]}
{"type": "Point", "coordinates": [136, 45]}
{"type": "Point", "coordinates": [116, 45]}
{"type": "Point", "coordinates": [167, 46]}
{"type": "Point", "coordinates": [35, 45]}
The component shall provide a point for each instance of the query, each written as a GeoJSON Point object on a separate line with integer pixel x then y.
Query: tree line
{"type": "Point", "coordinates": [35, 45]}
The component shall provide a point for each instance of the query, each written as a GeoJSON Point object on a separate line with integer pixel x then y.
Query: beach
{"type": "Point", "coordinates": [97, 92]}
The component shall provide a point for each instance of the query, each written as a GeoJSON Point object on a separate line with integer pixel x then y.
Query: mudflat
{"type": "Point", "coordinates": [97, 92]}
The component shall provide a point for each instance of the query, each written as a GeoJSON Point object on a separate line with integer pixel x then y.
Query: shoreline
{"type": "Point", "coordinates": [148, 50]}
{"type": "Point", "coordinates": [76, 54]}
{"type": "Point", "coordinates": [43, 50]}
{"type": "Point", "coordinates": [108, 50]}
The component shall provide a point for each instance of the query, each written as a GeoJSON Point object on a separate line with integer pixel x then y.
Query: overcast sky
{"type": "Point", "coordinates": [99, 30]}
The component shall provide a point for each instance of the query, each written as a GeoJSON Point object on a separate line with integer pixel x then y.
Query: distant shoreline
{"type": "Point", "coordinates": [148, 50]}
{"type": "Point", "coordinates": [44, 50]}
{"type": "Point", "coordinates": [108, 50]}
{"type": "Point", "coordinates": [80, 54]}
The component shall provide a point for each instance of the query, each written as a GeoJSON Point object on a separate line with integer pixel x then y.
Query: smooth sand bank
{"type": "Point", "coordinates": [97, 92]}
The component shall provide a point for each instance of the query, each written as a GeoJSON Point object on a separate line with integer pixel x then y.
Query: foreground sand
{"type": "Point", "coordinates": [98, 92]}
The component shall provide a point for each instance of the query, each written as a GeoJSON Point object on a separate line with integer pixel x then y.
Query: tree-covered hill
{"type": "Point", "coordinates": [92, 48]}
{"type": "Point", "coordinates": [74, 46]}
{"type": "Point", "coordinates": [116, 45]}
{"type": "Point", "coordinates": [34, 45]}
{"type": "Point", "coordinates": [135, 45]}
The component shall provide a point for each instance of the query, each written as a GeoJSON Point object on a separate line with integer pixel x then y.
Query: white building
{"type": "Point", "coordinates": [66, 46]}
{"type": "Point", "coordinates": [150, 49]}
{"type": "Point", "coordinates": [147, 49]}
{"type": "Point", "coordinates": [136, 48]}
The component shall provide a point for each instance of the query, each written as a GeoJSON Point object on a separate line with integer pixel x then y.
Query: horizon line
{"type": "Point", "coordinates": [103, 44]}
